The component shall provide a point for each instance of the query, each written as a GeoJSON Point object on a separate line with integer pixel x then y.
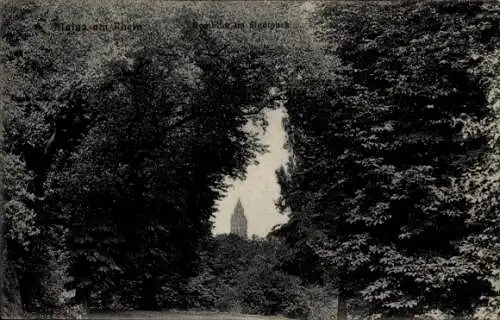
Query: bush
{"type": "Point", "coordinates": [268, 292]}
{"type": "Point", "coordinates": [63, 312]}
{"type": "Point", "coordinates": [320, 304]}
{"type": "Point", "coordinates": [229, 299]}
{"type": "Point", "coordinates": [434, 315]}
{"type": "Point", "coordinates": [491, 311]}
{"type": "Point", "coordinates": [244, 276]}
{"type": "Point", "coordinates": [200, 292]}
{"type": "Point", "coordinates": [71, 312]}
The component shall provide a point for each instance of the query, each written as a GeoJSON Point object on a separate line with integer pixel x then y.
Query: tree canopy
{"type": "Point", "coordinates": [382, 148]}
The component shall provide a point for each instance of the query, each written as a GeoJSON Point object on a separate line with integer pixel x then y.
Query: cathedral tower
{"type": "Point", "coordinates": [239, 221]}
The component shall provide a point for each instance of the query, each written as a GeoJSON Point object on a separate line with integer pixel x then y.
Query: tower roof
{"type": "Point", "coordinates": [239, 211]}
{"type": "Point", "coordinates": [238, 220]}
{"type": "Point", "coordinates": [238, 204]}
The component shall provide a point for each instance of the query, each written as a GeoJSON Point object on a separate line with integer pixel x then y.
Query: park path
{"type": "Point", "coordinates": [150, 315]}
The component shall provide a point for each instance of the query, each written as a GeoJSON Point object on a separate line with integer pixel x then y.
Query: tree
{"type": "Point", "coordinates": [41, 120]}
{"type": "Point", "coordinates": [482, 184]}
{"type": "Point", "coordinates": [164, 126]}
{"type": "Point", "coordinates": [160, 124]}
{"type": "Point", "coordinates": [10, 303]}
{"type": "Point", "coordinates": [378, 153]}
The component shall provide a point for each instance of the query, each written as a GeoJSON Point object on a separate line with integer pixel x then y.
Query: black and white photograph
{"type": "Point", "coordinates": [250, 160]}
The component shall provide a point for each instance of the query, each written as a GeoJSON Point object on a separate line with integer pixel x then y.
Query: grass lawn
{"type": "Point", "coordinates": [178, 316]}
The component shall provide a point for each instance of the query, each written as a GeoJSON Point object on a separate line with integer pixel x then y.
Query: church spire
{"type": "Point", "coordinates": [238, 205]}
{"type": "Point", "coordinates": [239, 221]}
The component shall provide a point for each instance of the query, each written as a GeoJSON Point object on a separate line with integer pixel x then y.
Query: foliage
{"type": "Point", "coordinates": [268, 292]}
{"type": "Point", "coordinates": [11, 300]}
{"type": "Point", "coordinates": [246, 276]}
{"type": "Point", "coordinates": [379, 153]}
{"type": "Point", "coordinates": [20, 218]}
{"type": "Point", "coordinates": [117, 147]}
{"type": "Point", "coordinates": [159, 124]}
{"type": "Point", "coordinates": [490, 311]}
{"type": "Point", "coordinates": [483, 180]}
{"type": "Point", "coordinates": [35, 98]}
{"type": "Point", "coordinates": [319, 303]}
{"type": "Point", "coordinates": [484, 187]}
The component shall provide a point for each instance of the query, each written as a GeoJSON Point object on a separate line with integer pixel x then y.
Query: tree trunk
{"type": "Point", "coordinates": [10, 298]}
{"type": "Point", "coordinates": [82, 296]}
{"type": "Point", "coordinates": [341, 305]}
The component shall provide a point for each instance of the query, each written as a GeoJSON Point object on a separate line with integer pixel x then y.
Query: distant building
{"type": "Point", "coordinates": [239, 221]}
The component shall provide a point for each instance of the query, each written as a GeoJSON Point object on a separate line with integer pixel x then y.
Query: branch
{"type": "Point", "coordinates": [183, 121]}
{"type": "Point", "coordinates": [272, 99]}
{"type": "Point", "coordinates": [49, 143]}
{"type": "Point", "coordinates": [193, 116]}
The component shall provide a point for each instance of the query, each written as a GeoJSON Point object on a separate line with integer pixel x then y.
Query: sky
{"type": "Point", "coordinates": [259, 191]}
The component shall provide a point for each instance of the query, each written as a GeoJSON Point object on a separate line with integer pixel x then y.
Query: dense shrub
{"type": "Point", "coordinates": [247, 276]}
{"type": "Point", "coordinates": [266, 291]}
{"type": "Point", "coordinates": [201, 292]}
{"type": "Point", "coordinates": [318, 304]}
{"type": "Point", "coordinates": [228, 299]}
{"type": "Point", "coordinates": [491, 311]}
